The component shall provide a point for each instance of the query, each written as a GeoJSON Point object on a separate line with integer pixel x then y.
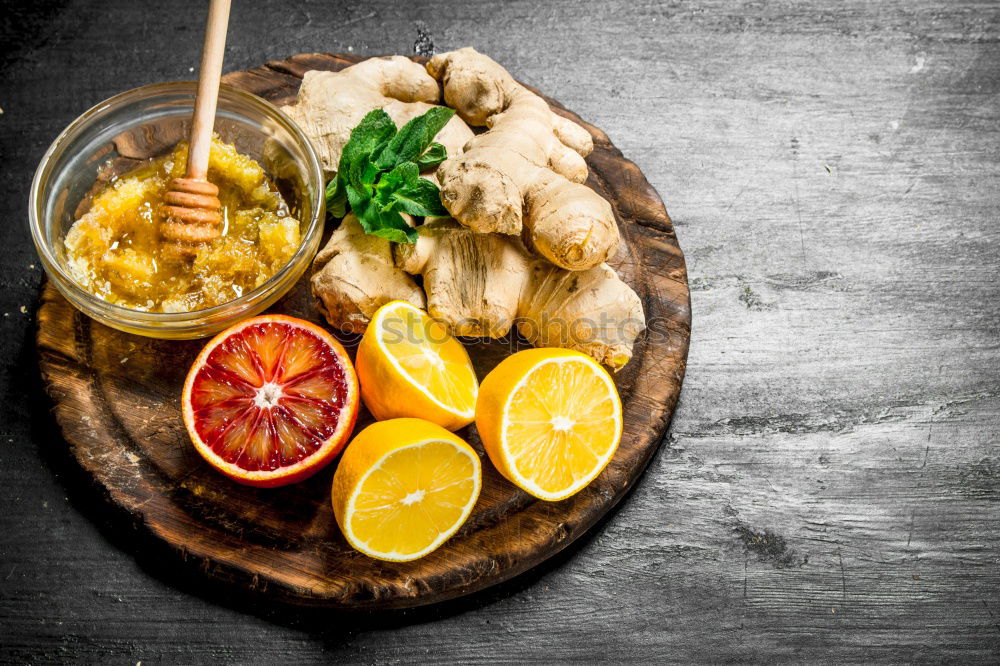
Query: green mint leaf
{"type": "Point", "coordinates": [378, 222]}
{"type": "Point", "coordinates": [375, 129]}
{"type": "Point", "coordinates": [414, 137]}
{"type": "Point", "coordinates": [406, 173]}
{"type": "Point", "coordinates": [431, 157]}
{"type": "Point", "coordinates": [360, 201]}
{"type": "Point", "coordinates": [372, 134]}
{"type": "Point", "coordinates": [332, 188]}
{"type": "Point", "coordinates": [394, 228]}
{"type": "Point", "coordinates": [399, 177]}
{"type": "Point", "coordinates": [336, 198]}
{"type": "Point", "coordinates": [362, 173]}
{"type": "Point", "coordinates": [419, 198]}
{"type": "Point", "coordinates": [379, 173]}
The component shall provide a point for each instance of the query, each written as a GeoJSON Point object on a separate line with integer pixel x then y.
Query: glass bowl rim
{"type": "Point", "coordinates": [118, 312]}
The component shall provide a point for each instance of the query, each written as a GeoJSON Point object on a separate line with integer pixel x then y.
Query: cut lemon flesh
{"type": "Point", "coordinates": [410, 366]}
{"type": "Point", "coordinates": [403, 487]}
{"type": "Point", "coordinates": [550, 420]}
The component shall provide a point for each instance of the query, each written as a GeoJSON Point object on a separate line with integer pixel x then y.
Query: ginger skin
{"type": "Point", "coordinates": [474, 280]}
{"type": "Point", "coordinates": [330, 104]}
{"type": "Point", "coordinates": [480, 284]}
{"type": "Point", "coordinates": [355, 276]}
{"type": "Point", "coordinates": [354, 273]}
{"type": "Point", "coordinates": [526, 171]}
{"type": "Point", "coordinates": [485, 284]}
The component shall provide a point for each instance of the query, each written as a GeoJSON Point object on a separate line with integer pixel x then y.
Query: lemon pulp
{"type": "Point", "coordinates": [430, 357]}
{"type": "Point", "coordinates": [416, 495]}
{"type": "Point", "coordinates": [559, 425]}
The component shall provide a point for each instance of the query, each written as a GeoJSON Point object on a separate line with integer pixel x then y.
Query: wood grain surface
{"type": "Point", "coordinates": [116, 401]}
{"type": "Point", "coordinates": [828, 491]}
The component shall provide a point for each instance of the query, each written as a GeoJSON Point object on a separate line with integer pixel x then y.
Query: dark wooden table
{"type": "Point", "coordinates": [830, 489]}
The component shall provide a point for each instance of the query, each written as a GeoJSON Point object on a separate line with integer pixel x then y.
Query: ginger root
{"type": "Point", "coordinates": [526, 171]}
{"type": "Point", "coordinates": [480, 284]}
{"type": "Point", "coordinates": [355, 276]}
{"type": "Point", "coordinates": [485, 284]}
{"type": "Point", "coordinates": [354, 273]}
{"type": "Point", "coordinates": [330, 104]}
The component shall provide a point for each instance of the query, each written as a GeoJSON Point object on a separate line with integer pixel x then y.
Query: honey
{"type": "Point", "coordinates": [114, 249]}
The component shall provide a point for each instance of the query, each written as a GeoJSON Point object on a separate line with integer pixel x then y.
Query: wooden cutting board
{"type": "Point", "coordinates": [117, 403]}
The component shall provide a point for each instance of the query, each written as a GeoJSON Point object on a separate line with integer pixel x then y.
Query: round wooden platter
{"type": "Point", "coordinates": [117, 403]}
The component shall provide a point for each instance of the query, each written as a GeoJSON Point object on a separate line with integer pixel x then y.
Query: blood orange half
{"type": "Point", "coordinates": [271, 400]}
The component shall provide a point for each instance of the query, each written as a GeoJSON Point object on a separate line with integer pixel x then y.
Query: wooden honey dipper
{"type": "Point", "coordinates": [192, 210]}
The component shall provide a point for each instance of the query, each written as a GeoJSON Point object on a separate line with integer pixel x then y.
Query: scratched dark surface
{"type": "Point", "coordinates": [830, 489]}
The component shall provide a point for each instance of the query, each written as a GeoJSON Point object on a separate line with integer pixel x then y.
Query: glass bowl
{"type": "Point", "coordinates": [146, 122]}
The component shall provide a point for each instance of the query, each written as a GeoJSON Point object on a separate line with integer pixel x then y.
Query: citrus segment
{"type": "Point", "coordinates": [271, 400]}
{"type": "Point", "coordinates": [403, 487]}
{"type": "Point", "coordinates": [550, 420]}
{"type": "Point", "coordinates": [410, 366]}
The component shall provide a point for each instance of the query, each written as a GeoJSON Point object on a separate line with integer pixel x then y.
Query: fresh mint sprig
{"type": "Point", "coordinates": [379, 173]}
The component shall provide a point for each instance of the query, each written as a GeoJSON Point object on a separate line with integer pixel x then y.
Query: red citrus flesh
{"type": "Point", "coordinates": [271, 400]}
